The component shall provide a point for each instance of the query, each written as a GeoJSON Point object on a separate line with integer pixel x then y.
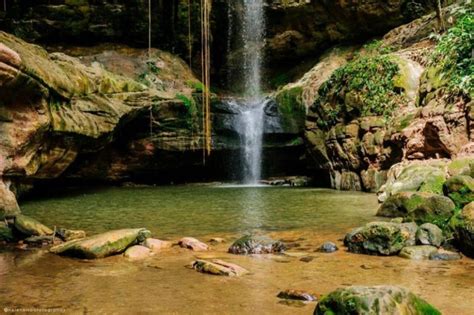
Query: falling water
{"type": "Point", "coordinates": [250, 121]}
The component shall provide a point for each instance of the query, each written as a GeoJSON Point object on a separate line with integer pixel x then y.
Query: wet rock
{"type": "Point", "coordinates": [297, 295]}
{"type": "Point", "coordinates": [328, 247]}
{"type": "Point", "coordinates": [307, 259]}
{"type": "Point", "coordinates": [102, 245]}
{"type": "Point", "coordinates": [29, 226]}
{"type": "Point", "coordinates": [293, 303]}
{"type": "Point", "coordinates": [387, 300]}
{"type": "Point", "coordinates": [460, 189]}
{"type": "Point", "coordinates": [219, 268]}
{"type": "Point", "coordinates": [445, 255]}
{"type": "Point", "coordinates": [137, 252]}
{"type": "Point", "coordinates": [463, 225]}
{"type": "Point", "coordinates": [251, 244]}
{"type": "Point", "coordinates": [429, 234]}
{"type": "Point", "coordinates": [156, 245]}
{"type": "Point", "coordinates": [418, 252]}
{"type": "Point", "coordinates": [6, 233]}
{"type": "Point", "coordinates": [69, 235]}
{"type": "Point", "coordinates": [217, 240]}
{"type": "Point", "coordinates": [193, 244]}
{"type": "Point", "coordinates": [418, 207]}
{"type": "Point", "coordinates": [40, 240]}
{"type": "Point", "coordinates": [381, 238]}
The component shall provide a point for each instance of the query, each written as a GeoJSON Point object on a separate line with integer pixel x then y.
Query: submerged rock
{"type": "Point", "coordinates": [193, 244]}
{"type": "Point", "coordinates": [460, 189]}
{"type": "Point", "coordinates": [30, 227]}
{"type": "Point", "coordinates": [429, 234]}
{"type": "Point", "coordinates": [137, 252]}
{"type": "Point", "coordinates": [297, 295]}
{"type": "Point", "coordinates": [69, 235]}
{"type": "Point", "coordinates": [418, 252]}
{"type": "Point", "coordinates": [251, 244]}
{"type": "Point", "coordinates": [418, 207]}
{"type": "Point", "coordinates": [219, 268]}
{"type": "Point", "coordinates": [381, 238]}
{"type": "Point", "coordinates": [386, 300]}
{"type": "Point", "coordinates": [328, 247]}
{"type": "Point", "coordinates": [156, 245]}
{"type": "Point", "coordinates": [445, 255]}
{"type": "Point", "coordinates": [216, 240]}
{"type": "Point", "coordinates": [102, 245]}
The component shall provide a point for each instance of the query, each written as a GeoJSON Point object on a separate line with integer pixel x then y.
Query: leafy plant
{"type": "Point", "coordinates": [454, 54]}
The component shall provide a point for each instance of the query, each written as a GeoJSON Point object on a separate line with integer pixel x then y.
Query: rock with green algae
{"type": "Point", "coordinates": [381, 238]}
{"type": "Point", "coordinates": [419, 252]}
{"type": "Point", "coordinates": [102, 245]}
{"type": "Point", "coordinates": [252, 244]}
{"type": "Point", "coordinates": [218, 267]}
{"type": "Point", "coordinates": [460, 189]}
{"type": "Point", "coordinates": [377, 300]}
{"type": "Point", "coordinates": [429, 234]}
{"type": "Point", "coordinates": [418, 207]}
{"type": "Point", "coordinates": [6, 233]}
{"type": "Point", "coordinates": [31, 227]}
{"type": "Point", "coordinates": [463, 226]}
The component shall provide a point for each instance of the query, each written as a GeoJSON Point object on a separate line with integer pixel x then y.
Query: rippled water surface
{"type": "Point", "coordinates": [162, 284]}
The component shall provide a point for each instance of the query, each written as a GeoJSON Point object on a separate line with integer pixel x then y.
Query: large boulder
{"type": "Point", "coordinates": [252, 244]}
{"type": "Point", "coordinates": [378, 300]}
{"type": "Point", "coordinates": [102, 245]}
{"type": "Point", "coordinates": [460, 189]}
{"type": "Point", "coordinates": [31, 227]}
{"type": "Point", "coordinates": [418, 207]}
{"type": "Point", "coordinates": [463, 225]}
{"type": "Point", "coordinates": [381, 238]}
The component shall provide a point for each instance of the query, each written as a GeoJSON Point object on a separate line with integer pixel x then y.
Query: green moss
{"type": "Point", "coordinates": [424, 308]}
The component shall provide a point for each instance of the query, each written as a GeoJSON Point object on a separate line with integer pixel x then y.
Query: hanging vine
{"type": "Point", "coordinates": [206, 80]}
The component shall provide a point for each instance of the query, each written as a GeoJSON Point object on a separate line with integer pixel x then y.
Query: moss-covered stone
{"type": "Point", "coordinates": [420, 252]}
{"type": "Point", "coordinates": [418, 207]}
{"type": "Point", "coordinates": [463, 226]}
{"type": "Point", "coordinates": [378, 300]}
{"type": "Point", "coordinates": [29, 226]}
{"type": "Point", "coordinates": [381, 238]}
{"type": "Point", "coordinates": [6, 233]}
{"type": "Point", "coordinates": [460, 189]}
{"type": "Point", "coordinates": [251, 244]}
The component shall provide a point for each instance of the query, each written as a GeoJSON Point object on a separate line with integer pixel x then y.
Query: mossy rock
{"type": "Point", "coordinates": [381, 238]}
{"type": "Point", "coordinates": [386, 300]}
{"type": "Point", "coordinates": [463, 226]}
{"type": "Point", "coordinates": [461, 166]}
{"type": "Point", "coordinates": [460, 189]}
{"type": "Point", "coordinates": [6, 233]}
{"type": "Point", "coordinates": [31, 227]}
{"type": "Point", "coordinates": [251, 244]}
{"type": "Point", "coordinates": [102, 245]}
{"type": "Point", "coordinates": [418, 207]}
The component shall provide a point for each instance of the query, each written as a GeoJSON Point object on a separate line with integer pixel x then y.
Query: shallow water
{"type": "Point", "coordinates": [163, 284]}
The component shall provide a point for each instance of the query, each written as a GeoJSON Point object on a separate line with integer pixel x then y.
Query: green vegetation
{"type": "Point", "coordinates": [453, 54]}
{"type": "Point", "coordinates": [363, 87]}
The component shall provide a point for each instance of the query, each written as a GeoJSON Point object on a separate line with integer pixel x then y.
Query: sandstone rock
{"type": "Point", "coordinates": [193, 244]}
{"type": "Point", "coordinates": [29, 226]}
{"type": "Point", "coordinates": [418, 252]}
{"type": "Point", "coordinates": [445, 255]}
{"type": "Point", "coordinates": [156, 245]}
{"type": "Point", "coordinates": [429, 234]}
{"type": "Point", "coordinates": [460, 189]}
{"type": "Point", "coordinates": [418, 207]}
{"type": "Point", "coordinates": [297, 295]}
{"type": "Point", "coordinates": [219, 268]}
{"type": "Point", "coordinates": [328, 247]}
{"type": "Point", "coordinates": [389, 300]}
{"type": "Point", "coordinates": [381, 238]}
{"type": "Point", "coordinates": [102, 245]}
{"type": "Point", "coordinates": [8, 204]}
{"type": "Point", "coordinates": [137, 252]}
{"type": "Point", "coordinates": [252, 244]}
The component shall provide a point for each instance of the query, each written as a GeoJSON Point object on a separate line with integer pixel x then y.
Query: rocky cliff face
{"type": "Point", "coordinates": [387, 102]}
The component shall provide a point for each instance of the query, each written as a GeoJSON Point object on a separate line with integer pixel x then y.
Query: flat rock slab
{"type": "Point", "coordinates": [251, 244]}
{"type": "Point", "coordinates": [219, 268]}
{"type": "Point", "coordinates": [102, 245]}
{"type": "Point", "coordinates": [417, 252]}
{"type": "Point", "coordinates": [297, 295]}
{"type": "Point", "coordinates": [193, 244]}
{"type": "Point", "coordinates": [137, 252]}
{"type": "Point", "coordinates": [31, 227]}
{"type": "Point", "coordinates": [156, 245]}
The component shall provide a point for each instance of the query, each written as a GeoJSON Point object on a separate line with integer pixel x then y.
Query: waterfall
{"type": "Point", "coordinates": [251, 119]}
